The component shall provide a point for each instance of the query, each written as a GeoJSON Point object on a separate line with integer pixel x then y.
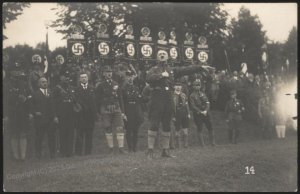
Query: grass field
{"type": "Point", "coordinates": [220, 168]}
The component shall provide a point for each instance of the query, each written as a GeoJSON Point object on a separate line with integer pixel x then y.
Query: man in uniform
{"type": "Point", "coordinates": [233, 110]}
{"type": "Point", "coordinates": [160, 78]}
{"type": "Point", "coordinates": [64, 98]}
{"type": "Point", "coordinates": [43, 112]}
{"type": "Point", "coordinates": [200, 107]}
{"type": "Point", "coordinates": [132, 108]}
{"type": "Point", "coordinates": [86, 115]}
{"type": "Point", "coordinates": [16, 110]}
{"type": "Point", "coordinates": [110, 106]}
{"type": "Point", "coordinates": [181, 115]}
{"type": "Point", "coordinates": [266, 114]}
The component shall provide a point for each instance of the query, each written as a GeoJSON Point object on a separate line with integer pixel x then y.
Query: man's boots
{"type": "Point", "coordinates": [23, 148]}
{"type": "Point", "coordinates": [151, 142]}
{"type": "Point", "coordinates": [177, 139]}
{"type": "Point", "coordinates": [212, 138]}
{"type": "Point", "coordinates": [201, 140]}
{"type": "Point", "coordinates": [110, 142]}
{"type": "Point", "coordinates": [185, 137]}
{"type": "Point", "coordinates": [165, 141]}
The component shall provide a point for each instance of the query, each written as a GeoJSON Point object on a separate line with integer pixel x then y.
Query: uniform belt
{"type": "Point", "coordinates": [132, 102]}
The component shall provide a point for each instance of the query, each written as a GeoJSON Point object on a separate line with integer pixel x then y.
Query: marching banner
{"type": "Point", "coordinates": [146, 46]}
{"type": "Point", "coordinates": [77, 49]}
{"type": "Point", "coordinates": [130, 46]}
{"type": "Point", "coordinates": [188, 49]}
{"type": "Point", "coordinates": [173, 48]}
{"type": "Point", "coordinates": [202, 51]}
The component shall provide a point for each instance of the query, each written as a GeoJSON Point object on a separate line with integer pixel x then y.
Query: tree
{"type": "Point", "coordinates": [206, 19]}
{"type": "Point", "coordinates": [20, 53]}
{"type": "Point", "coordinates": [89, 16]}
{"type": "Point", "coordinates": [290, 50]}
{"type": "Point", "coordinates": [10, 12]}
{"type": "Point", "coordinates": [245, 40]}
{"type": "Point", "coordinates": [275, 56]}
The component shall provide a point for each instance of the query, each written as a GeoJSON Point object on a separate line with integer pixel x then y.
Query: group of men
{"type": "Point", "coordinates": [74, 109]}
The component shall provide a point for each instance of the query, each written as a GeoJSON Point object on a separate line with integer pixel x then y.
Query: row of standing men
{"type": "Point", "coordinates": [75, 109]}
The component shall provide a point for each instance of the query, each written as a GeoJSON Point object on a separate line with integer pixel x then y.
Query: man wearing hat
{"type": "Point", "coordinates": [110, 105]}
{"type": "Point", "coordinates": [132, 108]}
{"type": "Point", "coordinates": [200, 107]}
{"type": "Point", "coordinates": [64, 98]}
{"type": "Point", "coordinates": [16, 104]}
{"type": "Point", "coordinates": [86, 115]}
{"type": "Point", "coordinates": [181, 115]}
{"type": "Point", "coordinates": [161, 80]}
{"type": "Point", "coordinates": [233, 110]}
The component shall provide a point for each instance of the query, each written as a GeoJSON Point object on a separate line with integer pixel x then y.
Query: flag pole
{"type": "Point", "coordinates": [227, 61]}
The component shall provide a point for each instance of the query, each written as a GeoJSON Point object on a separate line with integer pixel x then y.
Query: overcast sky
{"type": "Point", "coordinates": [29, 28]}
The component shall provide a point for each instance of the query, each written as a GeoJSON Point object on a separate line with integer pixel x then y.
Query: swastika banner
{"type": "Point", "coordinates": [146, 51]}
{"type": "Point", "coordinates": [103, 49]}
{"type": "Point", "coordinates": [77, 49]}
{"type": "Point", "coordinates": [188, 53]}
{"type": "Point", "coordinates": [203, 56]}
{"type": "Point", "coordinates": [130, 50]}
{"type": "Point", "coordinates": [174, 54]}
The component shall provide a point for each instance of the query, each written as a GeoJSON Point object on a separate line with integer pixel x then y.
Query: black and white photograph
{"type": "Point", "coordinates": [150, 96]}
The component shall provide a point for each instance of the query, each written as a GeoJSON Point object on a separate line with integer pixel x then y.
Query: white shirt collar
{"type": "Point", "coordinates": [84, 85]}
{"type": "Point", "coordinates": [43, 91]}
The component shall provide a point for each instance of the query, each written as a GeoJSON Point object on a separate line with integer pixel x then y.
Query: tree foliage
{"type": "Point", "coordinates": [206, 19]}
{"type": "Point", "coordinates": [20, 53]}
{"type": "Point", "coordinates": [290, 49]}
{"type": "Point", "coordinates": [246, 35]}
{"type": "Point", "coordinates": [10, 12]}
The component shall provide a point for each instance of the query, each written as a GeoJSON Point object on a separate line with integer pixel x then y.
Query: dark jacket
{"type": "Point", "coordinates": [109, 97]}
{"type": "Point", "coordinates": [86, 98]}
{"type": "Point", "coordinates": [44, 105]}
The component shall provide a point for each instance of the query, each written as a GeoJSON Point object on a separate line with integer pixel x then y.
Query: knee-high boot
{"type": "Point", "coordinates": [212, 137]}
{"type": "Point", "coordinates": [23, 148]}
{"type": "Point", "coordinates": [201, 140]}
{"type": "Point", "coordinates": [110, 141]}
{"type": "Point", "coordinates": [165, 141]}
{"type": "Point", "coordinates": [185, 137]}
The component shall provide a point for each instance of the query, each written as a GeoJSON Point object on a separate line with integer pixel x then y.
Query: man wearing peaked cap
{"type": "Point", "coordinates": [200, 107]}
{"type": "Point", "coordinates": [181, 115]}
{"type": "Point", "coordinates": [161, 80]}
{"type": "Point", "coordinates": [233, 110]}
{"type": "Point", "coordinates": [66, 108]}
{"type": "Point", "coordinates": [17, 97]}
{"type": "Point", "coordinates": [109, 103]}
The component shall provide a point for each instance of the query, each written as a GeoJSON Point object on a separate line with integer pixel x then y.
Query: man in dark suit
{"type": "Point", "coordinates": [42, 110]}
{"type": "Point", "coordinates": [86, 115]}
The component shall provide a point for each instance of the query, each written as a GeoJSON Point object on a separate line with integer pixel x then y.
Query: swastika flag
{"type": "Point", "coordinates": [77, 49]}
{"type": "Point", "coordinates": [103, 49]}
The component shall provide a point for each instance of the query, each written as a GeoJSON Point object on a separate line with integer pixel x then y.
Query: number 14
{"type": "Point", "coordinates": [249, 170]}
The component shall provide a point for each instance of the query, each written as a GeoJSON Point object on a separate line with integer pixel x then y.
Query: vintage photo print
{"type": "Point", "coordinates": [150, 96]}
